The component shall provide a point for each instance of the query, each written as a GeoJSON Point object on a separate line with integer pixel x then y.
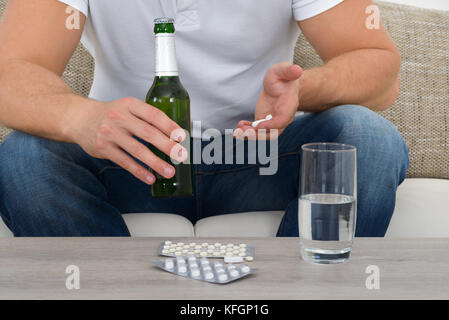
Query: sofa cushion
{"type": "Point", "coordinates": [249, 224]}
{"type": "Point", "coordinates": [158, 225]}
{"type": "Point", "coordinates": [422, 209]}
{"type": "Point", "coordinates": [144, 225]}
{"type": "Point", "coordinates": [4, 231]}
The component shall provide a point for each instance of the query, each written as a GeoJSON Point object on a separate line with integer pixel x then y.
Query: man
{"type": "Point", "coordinates": [74, 165]}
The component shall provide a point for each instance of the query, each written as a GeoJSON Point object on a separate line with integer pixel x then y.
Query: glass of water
{"type": "Point", "coordinates": [327, 204]}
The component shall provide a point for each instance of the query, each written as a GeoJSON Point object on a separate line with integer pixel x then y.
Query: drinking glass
{"type": "Point", "coordinates": [328, 202]}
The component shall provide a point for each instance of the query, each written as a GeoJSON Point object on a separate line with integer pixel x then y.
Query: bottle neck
{"type": "Point", "coordinates": [166, 64]}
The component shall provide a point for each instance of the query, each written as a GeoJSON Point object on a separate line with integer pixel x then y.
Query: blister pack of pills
{"type": "Point", "coordinates": [206, 250]}
{"type": "Point", "coordinates": [204, 270]}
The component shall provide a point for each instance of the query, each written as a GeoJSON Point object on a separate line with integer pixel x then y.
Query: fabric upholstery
{"type": "Point", "coordinates": [421, 210]}
{"type": "Point", "coordinates": [421, 112]}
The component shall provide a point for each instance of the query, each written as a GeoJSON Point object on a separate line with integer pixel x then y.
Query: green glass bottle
{"type": "Point", "coordinates": [168, 95]}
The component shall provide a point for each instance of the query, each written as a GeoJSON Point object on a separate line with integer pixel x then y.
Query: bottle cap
{"type": "Point", "coordinates": [164, 20]}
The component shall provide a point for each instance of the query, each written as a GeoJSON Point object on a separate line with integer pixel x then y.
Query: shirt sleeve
{"type": "Point", "coordinates": [305, 9]}
{"type": "Point", "coordinates": [81, 5]}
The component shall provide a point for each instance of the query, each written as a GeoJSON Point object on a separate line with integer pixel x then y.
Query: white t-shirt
{"type": "Point", "coordinates": [224, 48]}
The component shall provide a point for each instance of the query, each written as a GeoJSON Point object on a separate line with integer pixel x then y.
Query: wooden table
{"type": "Point", "coordinates": [120, 268]}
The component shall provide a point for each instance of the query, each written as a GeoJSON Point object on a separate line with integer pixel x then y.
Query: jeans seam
{"type": "Point", "coordinates": [281, 226]}
{"type": "Point", "coordinates": [106, 168]}
{"type": "Point", "coordinates": [102, 182]}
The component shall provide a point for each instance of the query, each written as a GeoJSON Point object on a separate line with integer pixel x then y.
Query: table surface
{"type": "Point", "coordinates": [120, 268]}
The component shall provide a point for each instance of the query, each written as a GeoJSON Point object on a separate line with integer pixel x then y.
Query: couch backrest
{"type": "Point", "coordinates": [421, 112]}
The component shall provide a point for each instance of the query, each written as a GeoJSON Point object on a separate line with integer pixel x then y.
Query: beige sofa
{"type": "Point", "coordinates": [421, 114]}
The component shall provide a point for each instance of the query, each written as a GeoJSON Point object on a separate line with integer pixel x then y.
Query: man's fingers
{"type": "Point", "coordinates": [141, 152]}
{"type": "Point", "coordinates": [151, 134]}
{"type": "Point", "coordinates": [126, 162]}
{"type": "Point", "coordinates": [157, 118]}
{"type": "Point", "coordinates": [244, 123]}
{"type": "Point", "coordinates": [250, 133]}
{"type": "Point", "coordinates": [245, 132]}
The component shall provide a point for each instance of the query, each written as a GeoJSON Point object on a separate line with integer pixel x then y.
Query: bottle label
{"type": "Point", "coordinates": [166, 63]}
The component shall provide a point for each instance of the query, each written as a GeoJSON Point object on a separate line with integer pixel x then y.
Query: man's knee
{"type": "Point", "coordinates": [35, 175]}
{"type": "Point", "coordinates": [26, 162]}
{"type": "Point", "coordinates": [372, 134]}
{"type": "Point", "coordinates": [22, 152]}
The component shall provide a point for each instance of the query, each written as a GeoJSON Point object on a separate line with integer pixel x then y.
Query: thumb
{"type": "Point", "coordinates": [287, 71]}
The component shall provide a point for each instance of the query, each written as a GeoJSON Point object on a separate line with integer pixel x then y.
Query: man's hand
{"type": "Point", "coordinates": [279, 97]}
{"type": "Point", "coordinates": [107, 130]}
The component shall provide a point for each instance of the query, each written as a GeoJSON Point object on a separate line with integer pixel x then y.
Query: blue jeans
{"type": "Point", "coordinates": [50, 188]}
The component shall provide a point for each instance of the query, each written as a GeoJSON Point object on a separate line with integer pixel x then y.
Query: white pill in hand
{"type": "Point", "coordinates": [256, 123]}
{"type": "Point", "coordinates": [235, 259]}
